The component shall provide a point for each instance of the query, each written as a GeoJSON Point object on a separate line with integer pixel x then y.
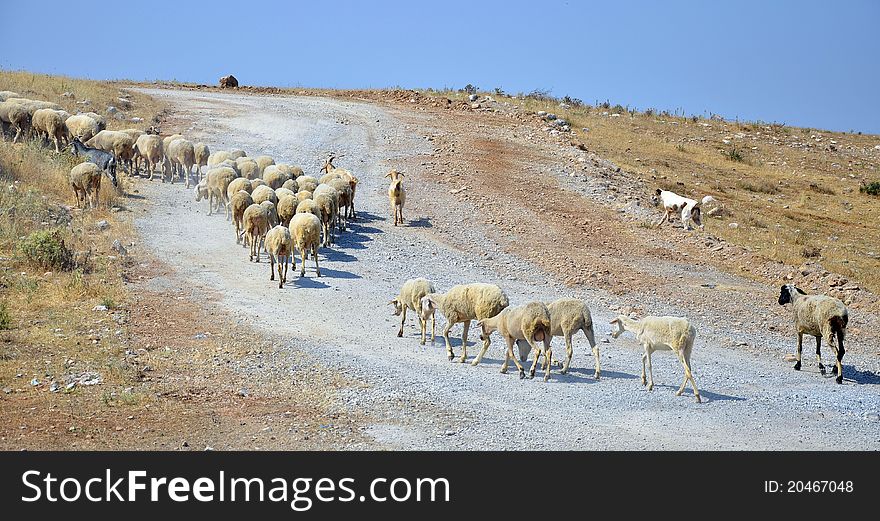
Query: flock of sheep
{"type": "Point", "coordinates": [279, 209]}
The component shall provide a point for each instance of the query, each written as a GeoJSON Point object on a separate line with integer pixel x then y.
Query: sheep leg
{"type": "Point", "coordinates": [650, 371]}
{"type": "Point", "coordinates": [569, 351]}
{"type": "Point", "coordinates": [588, 331]}
{"type": "Point", "coordinates": [286, 257]}
{"type": "Point", "coordinates": [838, 367]}
{"type": "Point", "coordinates": [480, 354]}
{"type": "Point", "coordinates": [402, 320]}
{"type": "Point", "coordinates": [508, 355]}
{"type": "Point", "coordinates": [685, 359]}
{"type": "Point", "coordinates": [797, 365]}
{"type": "Point", "coordinates": [272, 267]}
{"type": "Point", "coordinates": [315, 255]}
{"type": "Point", "coordinates": [449, 353]}
{"type": "Point", "coordinates": [644, 356]}
{"type": "Point", "coordinates": [433, 325]}
{"type": "Point", "coordinates": [819, 355]}
{"type": "Point", "coordinates": [423, 325]}
{"type": "Point", "coordinates": [464, 333]}
{"type": "Point", "coordinates": [302, 270]}
{"type": "Point", "coordinates": [548, 356]}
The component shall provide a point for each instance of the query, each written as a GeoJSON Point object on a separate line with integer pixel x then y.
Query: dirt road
{"type": "Point", "coordinates": [414, 397]}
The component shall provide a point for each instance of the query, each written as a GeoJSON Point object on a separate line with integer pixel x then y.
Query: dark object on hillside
{"type": "Point", "coordinates": [228, 82]}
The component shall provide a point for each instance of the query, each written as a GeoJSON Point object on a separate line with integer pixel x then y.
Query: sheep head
{"type": "Point", "coordinates": [487, 327]}
{"type": "Point", "coordinates": [427, 306]}
{"type": "Point", "coordinates": [394, 175]}
{"type": "Point", "coordinates": [201, 189]}
{"type": "Point", "coordinates": [398, 307]}
{"type": "Point", "coordinates": [787, 293]}
{"type": "Point", "coordinates": [618, 327]}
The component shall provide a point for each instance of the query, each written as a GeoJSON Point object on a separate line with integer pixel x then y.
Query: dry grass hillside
{"type": "Point", "coordinates": [793, 192]}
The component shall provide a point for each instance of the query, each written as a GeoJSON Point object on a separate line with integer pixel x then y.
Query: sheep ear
{"type": "Point", "coordinates": [388, 174]}
{"type": "Point", "coordinates": [614, 321]}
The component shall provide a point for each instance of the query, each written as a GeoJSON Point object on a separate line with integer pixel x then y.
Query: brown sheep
{"type": "Point", "coordinates": [238, 203]}
{"type": "Point", "coordinates": [306, 231]}
{"type": "Point", "coordinates": [396, 195]}
{"type": "Point", "coordinates": [278, 247]}
{"type": "Point", "coordinates": [256, 225]}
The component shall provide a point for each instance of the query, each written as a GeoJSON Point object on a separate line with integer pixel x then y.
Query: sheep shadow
{"type": "Point", "coordinates": [338, 274]}
{"type": "Point", "coordinates": [714, 397]}
{"type": "Point", "coordinates": [128, 195]}
{"type": "Point", "coordinates": [858, 376]}
{"type": "Point", "coordinates": [337, 255]}
{"type": "Point", "coordinates": [307, 282]}
{"type": "Point", "coordinates": [589, 372]}
{"type": "Point", "coordinates": [421, 222]}
{"type": "Point", "coordinates": [365, 217]}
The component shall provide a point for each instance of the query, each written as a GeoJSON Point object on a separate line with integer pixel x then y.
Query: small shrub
{"type": "Point", "coordinates": [46, 249]}
{"type": "Point", "coordinates": [811, 252]}
{"type": "Point", "coordinates": [680, 148]}
{"type": "Point", "coordinates": [469, 89]}
{"type": "Point", "coordinates": [734, 155]}
{"type": "Point", "coordinates": [5, 318]}
{"type": "Point", "coordinates": [499, 91]}
{"type": "Point", "coordinates": [763, 187]}
{"type": "Point", "coordinates": [108, 303]}
{"type": "Point", "coordinates": [649, 112]}
{"type": "Point", "coordinates": [872, 188]}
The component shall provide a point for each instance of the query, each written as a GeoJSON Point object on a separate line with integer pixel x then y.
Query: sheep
{"type": "Point", "coordinates": [286, 209]}
{"type": "Point", "coordinates": [672, 203]}
{"type": "Point", "coordinates": [168, 139]}
{"type": "Point", "coordinates": [279, 192]}
{"type": "Point", "coordinates": [330, 205]}
{"type": "Point", "coordinates": [278, 246]}
{"type": "Point", "coordinates": [248, 168]}
{"type": "Point", "coordinates": [309, 206]}
{"type": "Point", "coordinates": [396, 195]}
{"type": "Point", "coordinates": [341, 173]}
{"type": "Point", "coordinates": [303, 195]}
{"type": "Point", "coordinates": [306, 183]}
{"type": "Point", "coordinates": [217, 157]}
{"type": "Point", "coordinates": [202, 152]}
{"type": "Point", "coordinates": [263, 162]}
{"type": "Point", "coordinates": [238, 203]}
{"type": "Point", "coordinates": [464, 303]}
{"type": "Point", "coordinates": [306, 231]}
{"type": "Point", "coordinates": [290, 184]}
{"type": "Point", "coordinates": [6, 94]}
{"type": "Point", "coordinates": [182, 155]}
{"type": "Point", "coordinates": [82, 127]}
{"type": "Point", "coordinates": [567, 316]}
{"type": "Point", "coordinates": [662, 334]}
{"type": "Point", "coordinates": [101, 120]}
{"type": "Point", "coordinates": [120, 144]}
{"type": "Point", "coordinates": [344, 190]}
{"type": "Point", "coordinates": [214, 188]}
{"type": "Point", "coordinates": [410, 295]}
{"type": "Point", "coordinates": [236, 185]}
{"type": "Point", "coordinates": [257, 182]}
{"type": "Point", "coordinates": [149, 147]}
{"type": "Point", "coordinates": [295, 172]}
{"type": "Point", "coordinates": [48, 123]}
{"type": "Point", "coordinates": [271, 211]}
{"type": "Point", "coordinates": [327, 206]}
{"type": "Point", "coordinates": [16, 116]}
{"type": "Point", "coordinates": [235, 154]}
{"type": "Point", "coordinates": [819, 316]}
{"type": "Point", "coordinates": [85, 178]}
{"type": "Point", "coordinates": [229, 163]}
{"type": "Point", "coordinates": [264, 193]}
{"type": "Point", "coordinates": [274, 176]}
{"type": "Point", "coordinates": [133, 133]}
{"type": "Point", "coordinates": [530, 323]}
{"type": "Point", "coordinates": [255, 221]}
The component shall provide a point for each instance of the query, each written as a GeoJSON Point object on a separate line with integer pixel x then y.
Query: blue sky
{"type": "Point", "coordinates": [797, 62]}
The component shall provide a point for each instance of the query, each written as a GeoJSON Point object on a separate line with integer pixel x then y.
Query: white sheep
{"type": "Point", "coordinates": [120, 144]}
{"type": "Point", "coordinates": [396, 195]}
{"type": "Point", "coordinates": [255, 221]}
{"type": "Point", "coordinates": [214, 187]}
{"type": "Point", "coordinates": [464, 303]}
{"type": "Point", "coordinates": [202, 153]}
{"type": "Point", "coordinates": [82, 127]}
{"type": "Point", "coordinates": [568, 316]}
{"type": "Point", "coordinates": [238, 203]}
{"type": "Point", "coordinates": [263, 162]}
{"type": "Point", "coordinates": [286, 209]}
{"type": "Point", "coordinates": [278, 246]}
{"type": "Point", "coordinates": [49, 124]}
{"type": "Point", "coordinates": [528, 323]}
{"type": "Point", "coordinates": [149, 147]}
{"type": "Point", "coordinates": [182, 154]}
{"type": "Point", "coordinates": [264, 193]}
{"type": "Point", "coordinates": [85, 179]}
{"type": "Point", "coordinates": [662, 334]}
{"type": "Point", "coordinates": [819, 316]}
{"type": "Point", "coordinates": [306, 231]}
{"type": "Point", "coordinates": [410, 296]}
